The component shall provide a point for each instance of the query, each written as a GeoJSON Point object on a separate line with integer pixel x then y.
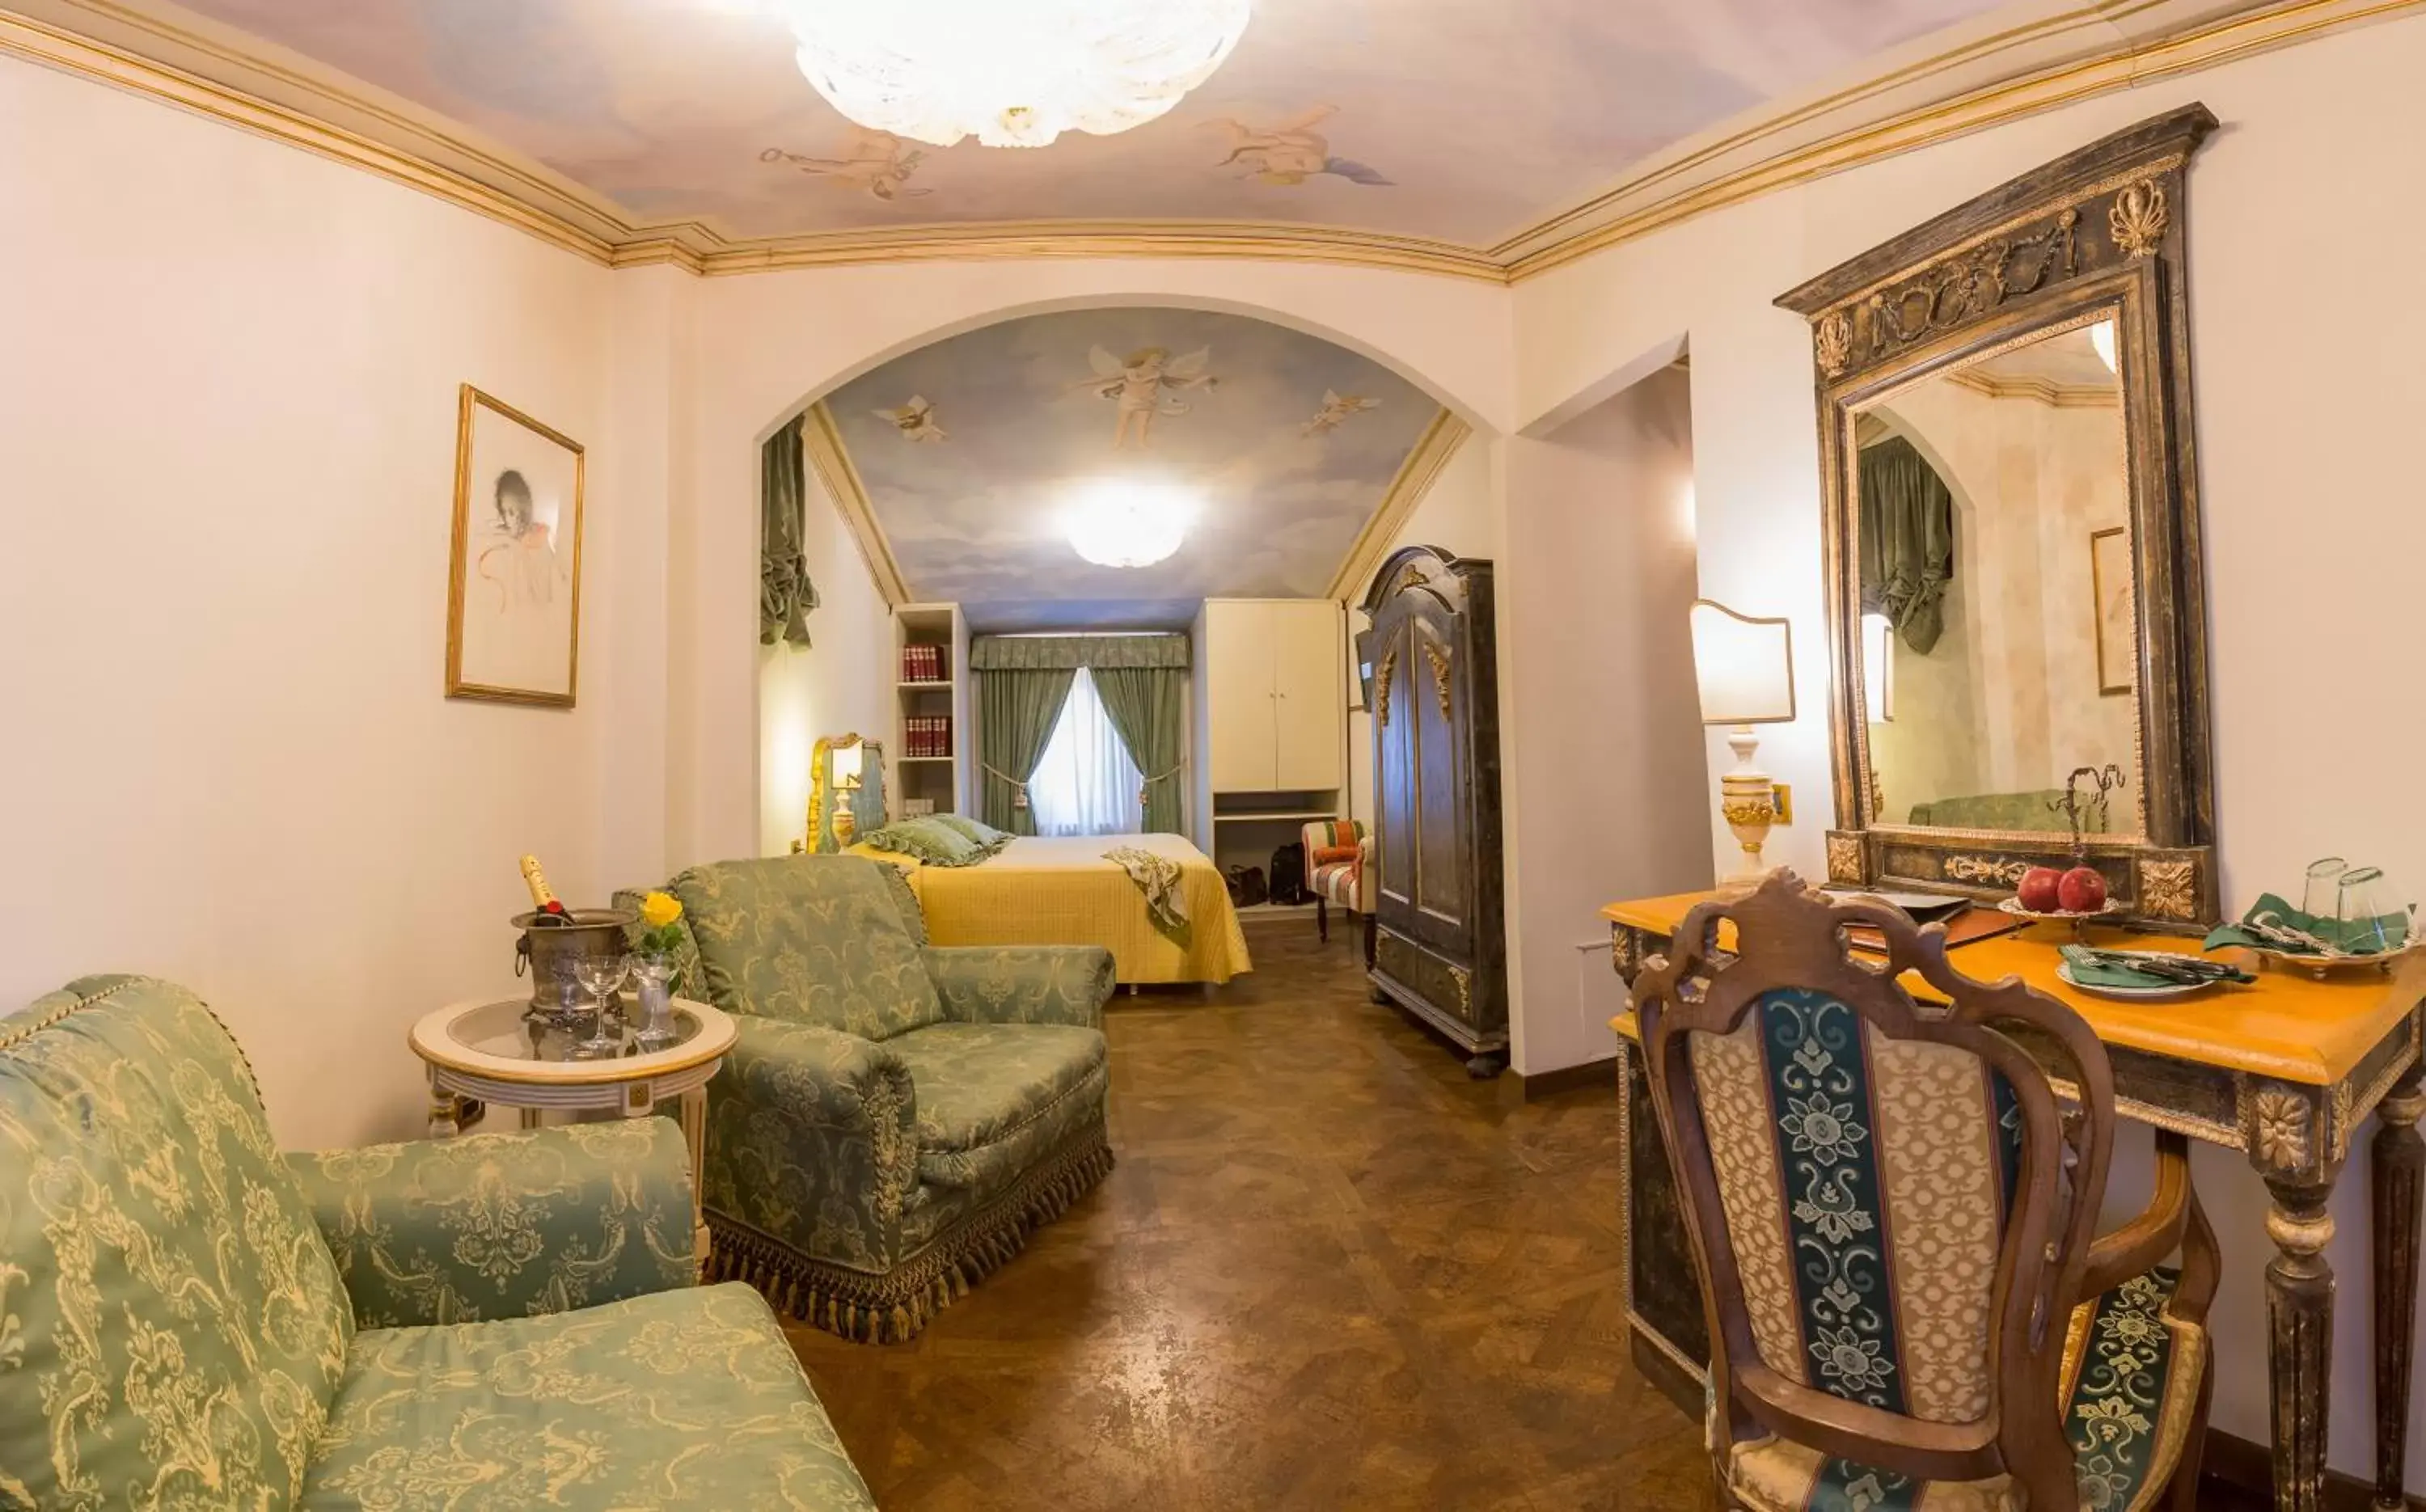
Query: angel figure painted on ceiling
{"type": "Point", "coordinates": [1147, 384]}
{"type": "Point", "coordinates": [1337, 407]}
{"type": "Point", "coordinates": [1292, 151]}
{"type": "Point", "coordinates": [876, 161]}
{"type": "Point", "coordinates": [915, 420]}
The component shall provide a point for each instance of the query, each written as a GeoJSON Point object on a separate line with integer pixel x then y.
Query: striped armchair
{"type": "Point", "coordinates": [1338, 870]}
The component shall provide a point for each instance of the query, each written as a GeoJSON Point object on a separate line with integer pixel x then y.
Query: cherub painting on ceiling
{"type": "Point", "coordinates": [1337, 407]}
{"type": "Point", "coordinates": [1147, 384]}
{"type": "Point", "coordinates": [915, 420]}
{"type": "Point", "coordinates": [876, 161]}
{"type": "Point", "coordinates": [1290, 153]}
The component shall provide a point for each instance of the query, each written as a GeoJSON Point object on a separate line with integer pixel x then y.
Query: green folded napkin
{"type": "Point", "coordinates": [2090, 970]}
{"type": "Point", "coordinates": [2357, 938]}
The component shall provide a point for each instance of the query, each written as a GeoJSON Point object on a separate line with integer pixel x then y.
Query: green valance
{"type": "Point", "coordinates": [786, 595]}
{"type": "Point", "coordinates": [1062, 653]}
{"type": "Point", "coordinates": [1906, 535]}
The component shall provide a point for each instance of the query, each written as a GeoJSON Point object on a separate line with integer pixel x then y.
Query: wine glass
{"type": "Point", "coordinates": [2322, 901]}
{"type": "Point", "coordinates": [604, 977]}
{"type": "Point", "coordinates": [2371, 923]}
{"type": "Point", "coordinates": [655, 1031]}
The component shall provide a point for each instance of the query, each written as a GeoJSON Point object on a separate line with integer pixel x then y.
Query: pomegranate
{"type": "Point", "coordinates": [2081, 891]}
{"type": "Point", "coordinates": [2040, 889]}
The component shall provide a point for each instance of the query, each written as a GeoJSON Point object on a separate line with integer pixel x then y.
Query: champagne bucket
{"type": "Point", "coordinates": [548, 951]}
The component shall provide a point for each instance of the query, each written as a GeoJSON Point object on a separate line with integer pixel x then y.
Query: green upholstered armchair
{"type": "Point", "coordinates": [503, 1321]}
{"type": "Point", "coordinates": [894, 1118]}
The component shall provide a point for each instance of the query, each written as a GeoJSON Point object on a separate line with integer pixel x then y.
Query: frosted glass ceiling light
{"type": "Point", "coordinates": [2101, 341]}
{"type": "Point", "coordinates": [1125, 524]}
{"type": "Point", "coordinates": [1014, 72]}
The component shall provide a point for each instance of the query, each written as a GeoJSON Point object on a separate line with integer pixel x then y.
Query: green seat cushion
{"type": "Point", "coordinates": [810, 939]}
{"type": "Point", "coordinates": [995, 1098]}
{"type": "Point", "coordinates": [172, 1326]}
{"type": "Point", "coordinates": [686, 1398]}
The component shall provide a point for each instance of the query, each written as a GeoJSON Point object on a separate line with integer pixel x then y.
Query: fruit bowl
{"type": "Point", "coordinates": [2080, 921]}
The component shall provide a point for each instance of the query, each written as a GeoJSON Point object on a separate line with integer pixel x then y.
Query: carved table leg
{"type": "Point", "coordinates": [694, 1128]}
{"type": "Point", "coordinates": [2300, 1337]}
{"type": "Point", "coordinates": [2398, 1161]}
{"type": "Point", "coordinates": [443, 1121]}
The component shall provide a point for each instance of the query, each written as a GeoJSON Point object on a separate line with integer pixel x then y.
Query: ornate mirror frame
{"type": "Point", "coordinates": [2096, 232]}
{"type": "Point", "coordinates": [823, 795]}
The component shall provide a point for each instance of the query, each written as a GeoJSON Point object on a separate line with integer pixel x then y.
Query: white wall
{"type": "Point", "coordinates": [227, 407]}
{"type": "Point", "coordinates": [841, 683]}
{"type": "Point", "coordinates": [2305, 410]}
{"type": "Point", "coordinates": [1604, 770]}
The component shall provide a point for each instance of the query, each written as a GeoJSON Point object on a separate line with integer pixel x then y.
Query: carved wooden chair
{"type": "Point", "coordinates": [1894, 1212]}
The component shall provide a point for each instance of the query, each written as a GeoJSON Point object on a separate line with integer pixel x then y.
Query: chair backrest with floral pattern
{"type": "Point", "coordinates": [1890, 1207]}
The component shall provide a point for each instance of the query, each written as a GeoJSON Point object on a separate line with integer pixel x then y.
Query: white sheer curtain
{"type": "Point", "coordinates": [1086, 785]}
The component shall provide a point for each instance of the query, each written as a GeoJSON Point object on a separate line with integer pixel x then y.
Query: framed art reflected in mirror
{"type": "Point", "coordinates": [2012, 530]}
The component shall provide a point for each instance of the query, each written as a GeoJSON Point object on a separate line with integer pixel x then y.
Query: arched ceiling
{"type": "Point", "coordinates": [1464, 121]}
{"type": "Point", "coordinates": [969, 453]}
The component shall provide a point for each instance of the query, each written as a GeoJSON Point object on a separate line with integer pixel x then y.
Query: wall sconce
{"type": "Point", "coordinates": [1745, 667]}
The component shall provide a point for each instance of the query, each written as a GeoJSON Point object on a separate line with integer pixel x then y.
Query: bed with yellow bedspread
{"type": "Point", "coordinates": [1062, 891]}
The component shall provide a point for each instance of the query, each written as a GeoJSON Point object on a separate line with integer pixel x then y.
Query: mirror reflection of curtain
{"type": "Point", "coordinates": [1085, 782]}
{"type": "Point", "coordinates": [1906, 534]}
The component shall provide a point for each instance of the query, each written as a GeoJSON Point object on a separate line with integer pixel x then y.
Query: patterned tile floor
{"type": "Point", "coordinates": [1329, 1273]}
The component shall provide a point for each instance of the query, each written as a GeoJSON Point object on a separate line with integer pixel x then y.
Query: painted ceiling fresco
{"type": "Point", "coordinates": [973, 449]}
{"type": "Point", "coordinates": [1465, 120]}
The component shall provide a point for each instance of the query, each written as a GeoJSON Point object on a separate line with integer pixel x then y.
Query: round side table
{"type": "Point", "coordinates": [485, 1050]}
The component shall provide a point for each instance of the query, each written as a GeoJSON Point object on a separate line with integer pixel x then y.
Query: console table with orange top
{"type": "Point", "coordinates": [2285, 1070]}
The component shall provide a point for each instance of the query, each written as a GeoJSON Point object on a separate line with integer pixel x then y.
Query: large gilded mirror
{"type": "Point", "coordinates": [2015, 612]}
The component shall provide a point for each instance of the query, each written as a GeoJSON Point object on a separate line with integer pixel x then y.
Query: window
{"type": "Point", "coordinates": [1086, 785]}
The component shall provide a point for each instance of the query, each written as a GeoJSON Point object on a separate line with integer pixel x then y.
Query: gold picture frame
{"type": "Point", "coordinates": [513, 594]}
{"type": "Point", "coordinates": [2117, 645]}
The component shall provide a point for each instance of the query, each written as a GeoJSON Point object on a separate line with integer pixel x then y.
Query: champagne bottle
{"type": "Point", "coordinates": [544, 898]}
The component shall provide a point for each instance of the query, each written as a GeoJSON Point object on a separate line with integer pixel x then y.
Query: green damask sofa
{"type": "Point", "coordinates": [895, 1118]}
{"type": "Point", "coordinates": [497, 1322]}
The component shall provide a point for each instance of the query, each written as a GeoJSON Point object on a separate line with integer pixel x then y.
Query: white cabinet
{"type": "Point", "coordinates": [1275, 697]}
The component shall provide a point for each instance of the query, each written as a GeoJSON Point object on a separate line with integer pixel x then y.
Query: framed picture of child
{"type": "Point", "coordinates": [514, 587]}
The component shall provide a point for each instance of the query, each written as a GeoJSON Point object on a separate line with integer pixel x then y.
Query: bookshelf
{"type": "Point", "coordinates": [931, 736]}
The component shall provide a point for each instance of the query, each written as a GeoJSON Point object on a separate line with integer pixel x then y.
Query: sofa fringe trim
{"type": "Point", "coordinates": [895, 1307]}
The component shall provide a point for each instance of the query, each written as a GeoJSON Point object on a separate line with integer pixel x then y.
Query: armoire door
{"type": "Point", "coordinates": [1311, 704]}
{"type": "Point", "coordinates": [1445, 879]}
{"type": "Point", "coordinates": [1238, 680]}
{"type": "Point", "coordinates": [1397, 815]}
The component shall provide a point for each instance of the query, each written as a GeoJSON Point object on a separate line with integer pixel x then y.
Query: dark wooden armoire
{"type": "Point", "coordinates": [1431, 668]}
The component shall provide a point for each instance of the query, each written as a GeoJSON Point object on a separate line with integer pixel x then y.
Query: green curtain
{"type": "Point", "coordinates": [786, 595]}
{"type": "Point", "coordinates": [1907, 540]}
{"type": "Point", "coordinates": [1016, 713]}
{"type": "Point", "coordinates": [988, 654]}
{"type": "Point", "coordinates": [1144, 704]}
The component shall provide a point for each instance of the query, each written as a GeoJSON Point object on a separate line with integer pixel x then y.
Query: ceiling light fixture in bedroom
{"type": "Point", "coordinates": [1128, 524]}
{"type": "Point", "coordinates": [1013, 72]}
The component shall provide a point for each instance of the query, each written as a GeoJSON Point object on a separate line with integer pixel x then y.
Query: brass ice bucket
{"type": "Point", "coordinates": [548, 952]}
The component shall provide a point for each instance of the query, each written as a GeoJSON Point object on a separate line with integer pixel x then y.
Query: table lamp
{"type": "Point", "coordinates": [1745, 667]}
{"type": "Point", "coordinates": [845, 765]}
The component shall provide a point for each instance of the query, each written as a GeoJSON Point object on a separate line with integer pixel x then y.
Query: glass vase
{"type": "Point", "coordinates": [653, 983]}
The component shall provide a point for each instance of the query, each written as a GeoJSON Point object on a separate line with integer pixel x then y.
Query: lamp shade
{"type": "Point", "coordinates": [1745, 666]}
{"type": "Point", "coordinates": [846, 764]}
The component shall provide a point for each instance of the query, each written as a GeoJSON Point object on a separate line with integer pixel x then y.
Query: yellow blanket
{"type": "Point", "coordinates": [1062, 891]}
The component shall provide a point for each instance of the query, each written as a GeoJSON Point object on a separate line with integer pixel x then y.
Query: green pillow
{"type": "Point", "coordinates": [932, 842]}
{"type": "Point", "coordinates": [977, 831]}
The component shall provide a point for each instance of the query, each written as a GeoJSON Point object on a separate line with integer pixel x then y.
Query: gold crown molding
{"type": "Point", "coordinates": [2128, 62]}
{"type": "Point", "coordinates": [1423, 464]}
{"type": "Point", "coordinates": [821, 443]}
{"type": "Point", "coordinates": [1109, 238]}
{"type": "Point", "coordinates": [118, 45]}
{"type": "Point", "coordinates": [2039, 391]}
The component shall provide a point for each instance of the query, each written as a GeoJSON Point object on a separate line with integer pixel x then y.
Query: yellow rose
{"type": "Point", "coordinates": [659, 910]}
